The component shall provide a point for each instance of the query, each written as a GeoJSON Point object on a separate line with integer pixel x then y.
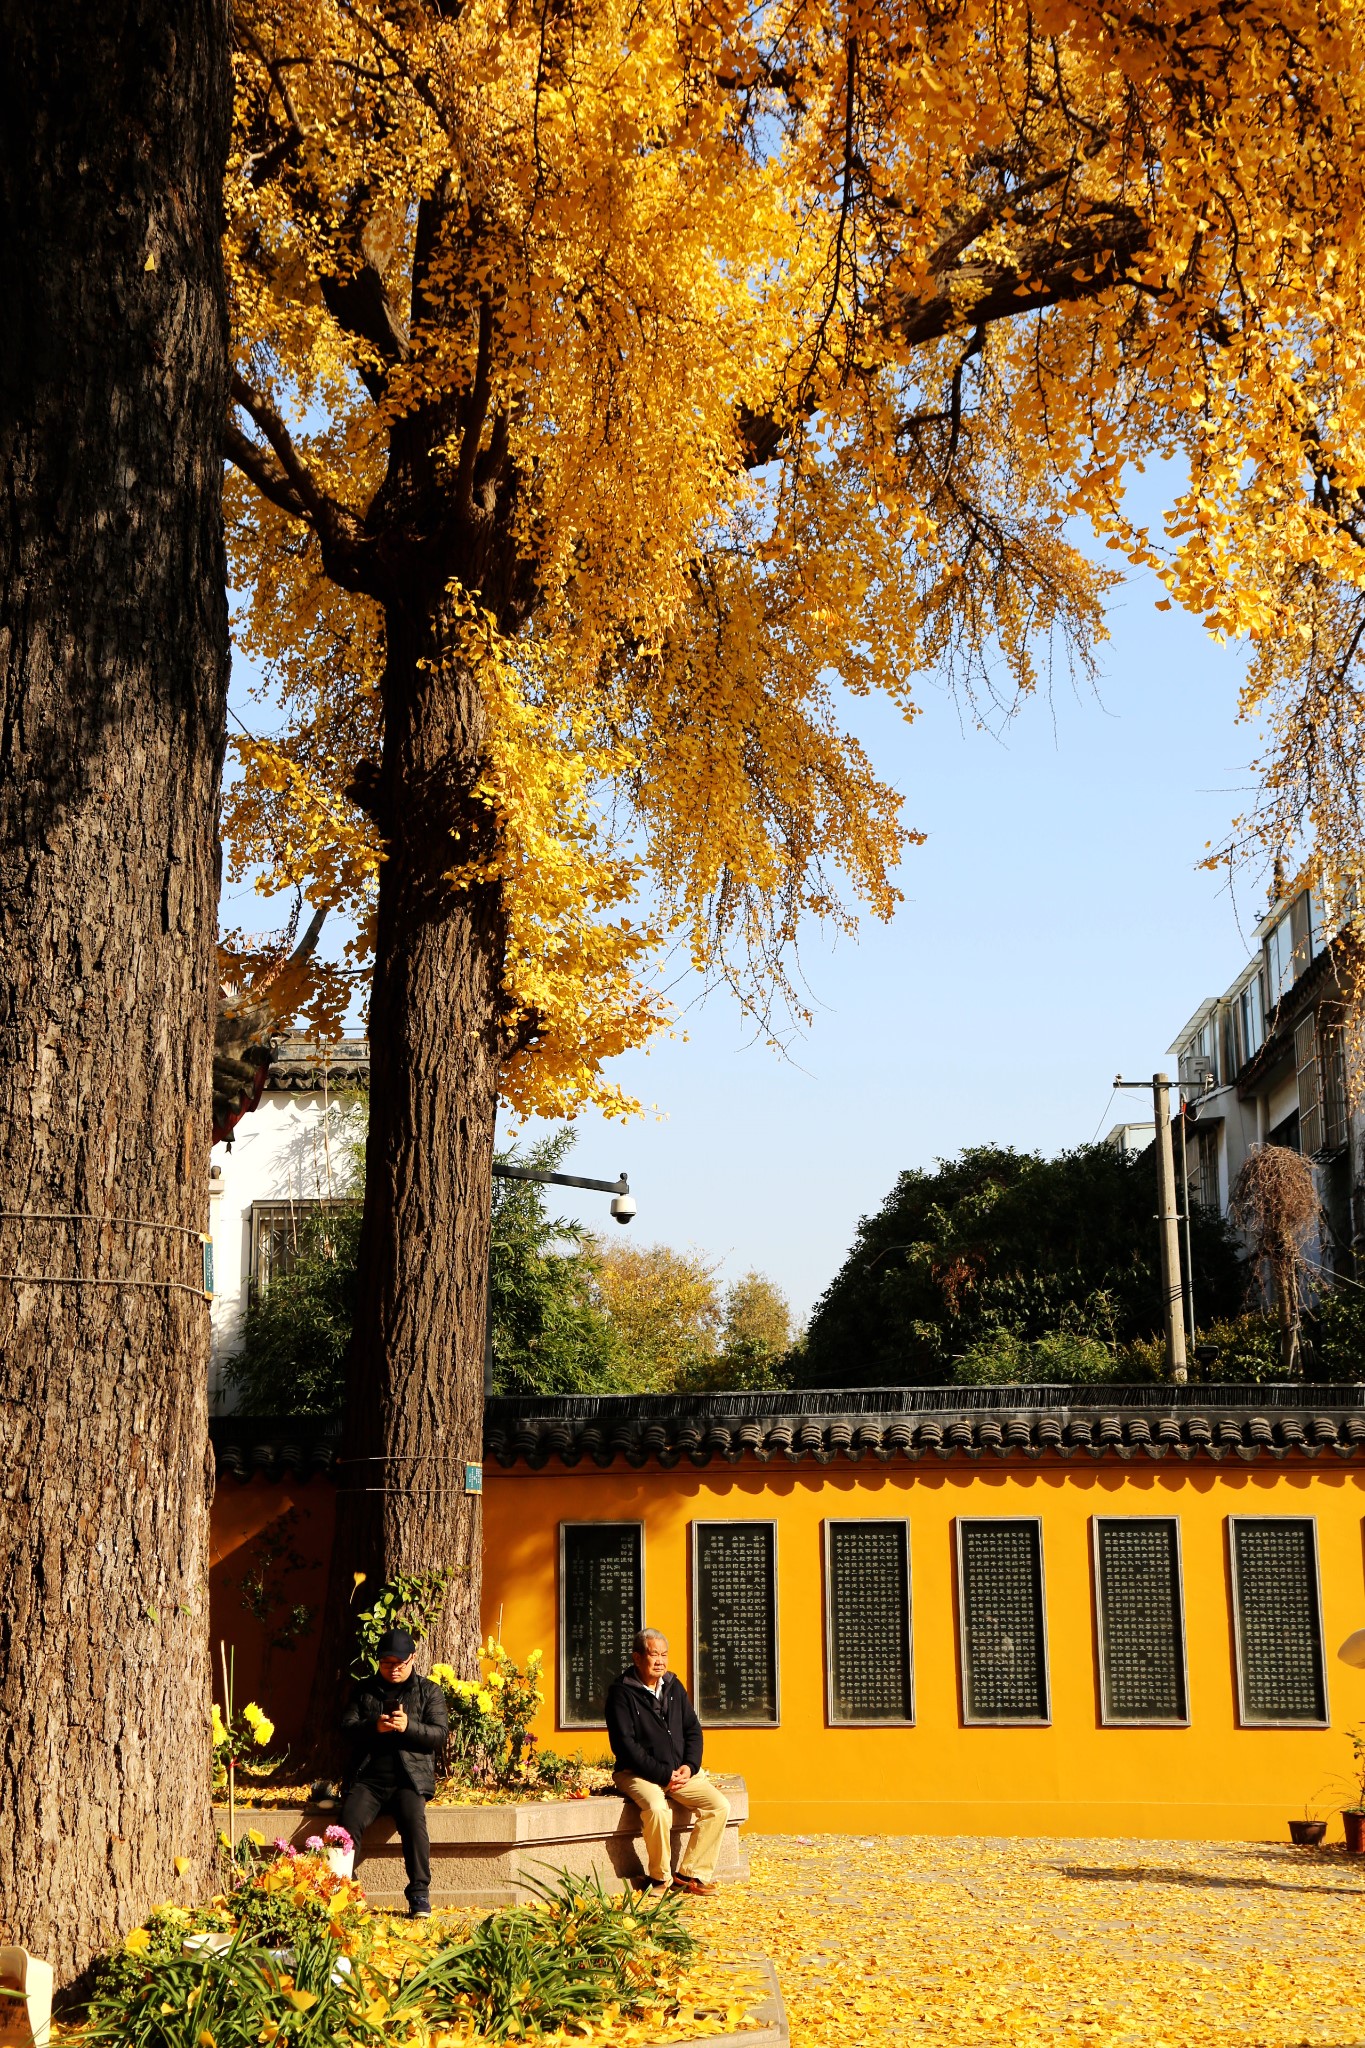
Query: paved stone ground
{"type": "Point", "coordinates": [1119, 1944]}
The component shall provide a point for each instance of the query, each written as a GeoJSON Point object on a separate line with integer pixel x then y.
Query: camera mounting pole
{"type": "Point", "coordinates": [622, 1209]}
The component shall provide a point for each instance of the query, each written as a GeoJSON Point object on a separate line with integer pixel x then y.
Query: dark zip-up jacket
{"type": "Point", "coordinates": [395, 1757]}
{"type": "Point", "coordinates": [649, 1737]}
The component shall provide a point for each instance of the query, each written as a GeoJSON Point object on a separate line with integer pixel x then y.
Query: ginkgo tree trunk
{"type": "Point", "coordinates": [114, 125]}
{"type": "Point", "coordinates": [621, 388]}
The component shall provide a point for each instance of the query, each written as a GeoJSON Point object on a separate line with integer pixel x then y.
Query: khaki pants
{"type": "Point", "coordinates": [710, 1807]}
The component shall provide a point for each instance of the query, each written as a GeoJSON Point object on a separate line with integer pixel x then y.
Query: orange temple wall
{"type": "Point", "coordinates": [1212, 1779]}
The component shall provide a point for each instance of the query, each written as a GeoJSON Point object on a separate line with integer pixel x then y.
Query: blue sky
{"type": "Point", "coordinates": [1056, 930]}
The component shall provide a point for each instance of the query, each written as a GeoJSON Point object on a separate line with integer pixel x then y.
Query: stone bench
{"type": "Point", "coordinates": [483, 1855]}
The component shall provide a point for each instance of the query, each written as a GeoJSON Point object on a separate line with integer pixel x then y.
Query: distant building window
{"type": "Point", "coordinates": [1332, 1085]}
{"type": "Point", "coordinates": [1310, 1095]}
{"type": "Point", "coordinates": [1248, 1022]}
{"type": "Point", "coordinates": [1277, 1620]}
{"type": "Point", "coordinates": [1002, 1622]}
{"type": "Point", "coordinates": [1281, 964]}
{"type": "Point", "coordinates": [1204, 1184]}
{"type": "Point", "coordinates": [867, 1622]}
{"type": "Point", "coordinates": [280, 1231]}
{"type": "Point", "coordinates": [1320, 1063]}
{"type": "Point", "coordinates": [1139, 1606]}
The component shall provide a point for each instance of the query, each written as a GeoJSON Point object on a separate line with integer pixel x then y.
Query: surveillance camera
{"type": "Point", "coordinates": [623, 1207]}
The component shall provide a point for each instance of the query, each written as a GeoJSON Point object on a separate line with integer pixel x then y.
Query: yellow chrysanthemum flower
{"type": "Point", "coordinates": [217, 1730]}
{"type": "Point", "coordinates": [484, 1702]}
{"type": "Point", "coordinates": [138, 1941]}
{"type": "Point", "coordinates": [261, 1731]}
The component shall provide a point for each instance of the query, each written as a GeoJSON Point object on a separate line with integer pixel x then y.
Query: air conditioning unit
{"type": "Point", "coordinates": [1196, 1072]}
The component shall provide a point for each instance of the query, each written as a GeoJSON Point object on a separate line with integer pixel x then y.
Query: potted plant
{"type": "Point", "coordinates": [336, 1848]}
{"type": "Point", "coordinates": [1353, 1816]}
{"type": "Point", "coordinates": [1308, 1832]}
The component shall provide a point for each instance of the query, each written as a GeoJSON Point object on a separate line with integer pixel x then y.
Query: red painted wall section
{"type": "Point", "coordinates": [271, 1542]}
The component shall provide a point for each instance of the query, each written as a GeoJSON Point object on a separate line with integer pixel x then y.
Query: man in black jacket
{"type": "Point", "coordinates": [656, 1747]}
{"type": "Point", "coordinates": [398, 1722]}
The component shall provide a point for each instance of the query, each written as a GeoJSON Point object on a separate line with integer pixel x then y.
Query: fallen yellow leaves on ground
{"type": "Point", "coordinates": [1088, 1943]}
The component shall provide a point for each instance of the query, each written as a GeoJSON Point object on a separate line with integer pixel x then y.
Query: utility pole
{"type": "Point", "coordinates": [1168, 1225]}
{"type": "Point", "coordinates": [1191, 1331]}
{"type": "Point", "coordinates": [1168, 1222]}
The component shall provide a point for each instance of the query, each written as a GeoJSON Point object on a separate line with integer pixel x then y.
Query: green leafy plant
{"type": "Point", "coordinates": [153, 1994]}
{"type": "Point", "coordinates": [538, 1968]}
{"type": "Point", "coordinates": [289, 1956]}
{"type": "Point", "coordinates": [1356, 1778]}
{"type": "Point", "coordinates": [411, 1601]}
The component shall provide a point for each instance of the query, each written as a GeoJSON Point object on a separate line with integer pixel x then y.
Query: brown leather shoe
{"type": "Point", "coordinates": [693, 1885]}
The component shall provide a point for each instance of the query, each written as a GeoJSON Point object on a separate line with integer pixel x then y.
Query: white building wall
{"type": "Point", "coordinates": [295, 1147]}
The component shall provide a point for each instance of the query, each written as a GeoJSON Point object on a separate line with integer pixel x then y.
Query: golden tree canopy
{"type": "Point", "coordinates": [680, 370]}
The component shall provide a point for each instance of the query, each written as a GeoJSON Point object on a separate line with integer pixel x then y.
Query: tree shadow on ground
{"type": "Point", "coordinates": [1196, 1880]}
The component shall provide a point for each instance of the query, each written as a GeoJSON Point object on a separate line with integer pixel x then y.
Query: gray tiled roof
{"type": "Point", "coordinates": [880, 1424]}
{"type": "Point", "coordinates": [301, 1063]}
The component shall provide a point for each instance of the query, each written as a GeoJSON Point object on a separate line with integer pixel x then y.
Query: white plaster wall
{"type": "Point", "coordinates": [293, 1147]}
{"type": "Point", "coordinates": [1284, 1099]}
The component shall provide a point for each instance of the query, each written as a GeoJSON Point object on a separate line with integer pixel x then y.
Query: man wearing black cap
{"type": "Point", "coordinates": [398, 1723]}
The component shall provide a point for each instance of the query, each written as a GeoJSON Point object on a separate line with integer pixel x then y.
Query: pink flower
{"type": "Point", "coordinates": [314, 1843]}
{"type": "Point", "coordinates": [284, 1848]}
{"type": "Point", "coordinates": [338, 1836]}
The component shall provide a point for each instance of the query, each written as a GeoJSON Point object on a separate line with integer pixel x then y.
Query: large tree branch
{"type": "Point", "coordinates": [261, 168]}
{"type": "Point", "coordinates": [360, 304]}
{"type": "Point", "coordinates": [475, 410]}
{"type": "Point", "coordinates": [347, 548]}
{"type": "Point", "coordinates": [357, 299]}
{"type": "Point", "coordinates": [976, 295]}
{"type": "Point", "coordinates": [256, 465]}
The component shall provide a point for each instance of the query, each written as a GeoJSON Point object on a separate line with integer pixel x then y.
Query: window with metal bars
{"type": "Point", "coordinates": [734, 1622]}
{"type": "Point", "coordinates": [601, 1605]}
{"type": "Point", "coordinates": [1277, 1621]}
{"type": "Point", "coordinates": [1001, 1620]}
{"type": "Point", "coordinates": [1139, 1611]}
{"type": "Point", "coordinates": [868, 1667]}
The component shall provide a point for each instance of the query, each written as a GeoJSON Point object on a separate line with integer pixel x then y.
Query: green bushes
{"type": "Point", "coordinates": [568, 1959]}
{"type": "Point", "coordinates": [997, 1240]}
{"type": "Point", "coordinates": [1005, 1359]}
{"type": "Point", "coordinates": [290, 1956]}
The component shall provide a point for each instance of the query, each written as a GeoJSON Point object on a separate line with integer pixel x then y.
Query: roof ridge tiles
{"type": "Point", "coordinates": [1210, 1422]}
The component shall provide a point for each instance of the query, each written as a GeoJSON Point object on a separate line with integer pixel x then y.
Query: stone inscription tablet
{"type": "Point", "coordinates": [1004, 1653]}
{"type": "Point", "coordinates": [868, 1592]}
{"type": "Point", "coordinates": [1280, 1673]}
{"type": "Point", "coordinates": [1142, 1624]}
{"type": "Point", "coordinates": [601, 1607]}
{"type": "Point", "coordinates": [735, 1591]}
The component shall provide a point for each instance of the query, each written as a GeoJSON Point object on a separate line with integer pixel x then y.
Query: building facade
{"type": "Point", "coordinates": [976, 1611]}
{"type": "Point", "coordinates": [1265, 1063]}
{"type": "Point", "coordinates": [289, 1157]}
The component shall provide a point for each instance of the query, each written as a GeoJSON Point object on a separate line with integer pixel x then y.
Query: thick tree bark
{"type": "Point", "coordinates": [113, 668]}
{"type": "Point", "coordinates": [414, 1405]}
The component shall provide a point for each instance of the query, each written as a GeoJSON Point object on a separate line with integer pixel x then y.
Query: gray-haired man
{"type": "Point", "coordinates": [656, 1747]}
